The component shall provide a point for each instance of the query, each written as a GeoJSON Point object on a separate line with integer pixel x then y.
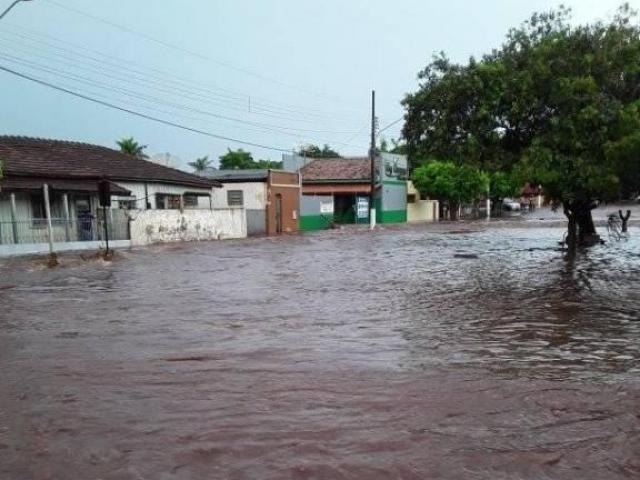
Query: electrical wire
{"type": "Point", "coordinates": [138, 114]}
{"type": "Point", "coordinates": [391, 125]}
{"type": "Point", "coordinates": [154, 100]}
{"type": "Point", "coordinates": [235, 101]}
{"type": "Point", "coordinates": [201, 56]}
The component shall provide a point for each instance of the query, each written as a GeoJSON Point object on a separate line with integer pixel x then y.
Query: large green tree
{"type": "Point", "coordinates": [450, 183]}
{"type": "Point", "coordinates": [133, 148]}
{"type": "Point", "coordinates": [242, 160]}
{"type": "Point", "coordinates": [557, 103]}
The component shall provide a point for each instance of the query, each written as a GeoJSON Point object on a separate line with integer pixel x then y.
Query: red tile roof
{"type": "Point", "coordinates": [327, 170]}
{"type": "Point", "coordinates": [37, 157]}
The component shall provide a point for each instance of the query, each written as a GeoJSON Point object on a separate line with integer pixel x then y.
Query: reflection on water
{"type": "Point", "coordinates": [400, 354]}
{"type": "Point", "coordinates": [526, 307]}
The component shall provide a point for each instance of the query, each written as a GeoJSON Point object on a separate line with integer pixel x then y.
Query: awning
{"type": "Point", "coordinates": [58, 184]}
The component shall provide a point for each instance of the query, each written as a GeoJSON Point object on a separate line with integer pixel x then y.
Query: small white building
{"type": "Point", "coordinates": [271, 198]}
{"type": "Point", "coordinates": [49, 195]}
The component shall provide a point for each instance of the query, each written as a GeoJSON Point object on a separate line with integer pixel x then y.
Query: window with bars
{"type": "Point", "coordinates": [190, 201]}
{"type": "Point", "coordinates": [235, 198]}
{"type": "Point", "coordinates": [165, 201]}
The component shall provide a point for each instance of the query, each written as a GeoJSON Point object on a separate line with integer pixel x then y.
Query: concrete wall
{"type": "Point", "coordinates": [256, 222]}
{"type": "Point", "coordinates": [312, 216]}
{"type": "Point", "coordinates": [153, 226]}
{"type": "Point", "coordinates": [392, 206]}
{"type": "Point", "coordinates": [254, 195]}
{"type": "Point", "coordinates": [421, 210]}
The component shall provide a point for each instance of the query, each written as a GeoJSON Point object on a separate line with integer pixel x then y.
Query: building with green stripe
{"type": "Point", "coordinates": [337, 191]}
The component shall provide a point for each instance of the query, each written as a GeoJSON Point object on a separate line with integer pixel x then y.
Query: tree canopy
{"type": "Point", "coordinates": [314, 151]}
{"type": "Point", "coordinates": [242, 160]}
{"type": "Point", "coordinates": [200, 164]}
{"type": "Point", "coordinates": [133, 148]}
{"type": "Point", "coordinates": [558, 103]}
{"type": "Point", "coordinates": [450, 183]}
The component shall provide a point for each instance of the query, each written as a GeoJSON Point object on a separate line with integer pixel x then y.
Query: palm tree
{"type": "Point", "coordinates": [200, 164]}
{"type": "Point", "coordinates": [133, 148]}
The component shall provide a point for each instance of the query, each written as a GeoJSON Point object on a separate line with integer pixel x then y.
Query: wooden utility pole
{"type": "Point", "coordinates": [372, 159]}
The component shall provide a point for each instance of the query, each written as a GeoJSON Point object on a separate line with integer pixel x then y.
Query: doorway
{"type": "Point", "coordinates": [278, 213]}
{"type": "Point", "coordinates": [84, 218]}
{"type": "Point", "coordinates": [345, 209]}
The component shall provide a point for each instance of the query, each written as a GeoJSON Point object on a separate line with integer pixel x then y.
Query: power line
{"type": "Point", "coordinates": [141, 96]}
{"type": "Point", "coordinates": [136, 95]}
{"type": "Point", "coordinates": [154, 100]}
{"type": "Point", "coordinates": [235, 100]}
{"type": "Point", "coordinates": [190, 52]}
{"type": "Point", "coordinates": [390, 125]}
{"type": "Point", "coordinates": [138, 114]}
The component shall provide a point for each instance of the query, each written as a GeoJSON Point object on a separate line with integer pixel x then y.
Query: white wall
{"type": "Point", "coordinates": [422, 210]}
{"type": "Point", "coordinates": [152, 226]}
{"type": "Point", "coordinates": [137, 190]}
{"type": "Point", "coordinates": [255, 195]}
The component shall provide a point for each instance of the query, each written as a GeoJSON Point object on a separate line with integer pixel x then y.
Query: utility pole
{"type": "Point", "coordinates": [10, 7]}
{"type": "Point", "coordinates": [372, 159]}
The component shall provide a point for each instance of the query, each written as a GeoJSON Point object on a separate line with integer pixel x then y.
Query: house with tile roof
{"type": "Point", "coordinates": [53, 184]}
{"type": "Point", "coordinates": [338, 190]}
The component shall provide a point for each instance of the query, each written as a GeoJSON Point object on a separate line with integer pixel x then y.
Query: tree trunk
{"type": "Point", "coordinates": [625, 220]}
{"type": "Point", "coordinates": [581, 229]}
{"type": "Point", "coordinates": [453, 210]}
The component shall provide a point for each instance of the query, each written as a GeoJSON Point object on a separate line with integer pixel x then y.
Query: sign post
{"type": "Point", "coordinates": [104, 194]}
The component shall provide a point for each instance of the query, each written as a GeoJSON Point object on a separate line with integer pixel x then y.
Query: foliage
{"type": "Point", "coordinates": [133, 148]}
{"type": "Point", "coordinates": [449, 182]}
{"type": "Point", "coordinates": [314, 151]}
{"type": "Point", "coordinates": [396, 146]}
{"type": "Point", "coordinates": [557, 104]}
{"type": "Point", "coordinates": [241, 160]}
{"type": "Point", "coordinates": [503, 185]}
{"type": "Point", "coordinates": [200, 164]}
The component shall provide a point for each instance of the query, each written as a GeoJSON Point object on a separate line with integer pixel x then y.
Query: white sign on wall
{"type": "Point", "coordinates": [326, 206]}
{"type": "Point", "coordinates": [363, 207]}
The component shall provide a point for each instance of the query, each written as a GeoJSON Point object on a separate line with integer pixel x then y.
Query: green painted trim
{"type": "Point", "coordinates": [310, 223]}
{"type": "Point", "coordinates": [392, 216]}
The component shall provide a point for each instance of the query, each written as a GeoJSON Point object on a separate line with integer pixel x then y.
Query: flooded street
{"type": "Point", "coordinates": [457, 352]}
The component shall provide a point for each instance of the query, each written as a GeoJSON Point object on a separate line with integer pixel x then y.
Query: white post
{"type": "Point", "coordinates": [47, 210]}
{"type": "Point", "coordinates": [14, 217]}
{"type": "Point", "coordinates": [372, 213]}
{"type": "Point", "coordinates": [488, 202]}
{"type": "Point", "coordinates": [67, 222]}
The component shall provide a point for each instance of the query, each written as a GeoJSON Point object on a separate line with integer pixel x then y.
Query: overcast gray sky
{"type": "Point", "coordinates": [278, 73]}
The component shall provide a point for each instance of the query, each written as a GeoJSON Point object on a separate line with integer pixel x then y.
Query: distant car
{"type": "Point", "coordinates": [510, 205]}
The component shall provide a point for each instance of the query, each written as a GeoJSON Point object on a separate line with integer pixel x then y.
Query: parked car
{"type": "Point", "coordinates": [510, 205]}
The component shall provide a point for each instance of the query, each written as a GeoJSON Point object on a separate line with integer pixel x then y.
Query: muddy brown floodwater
{"type": "Point", "coordinates": [403, 354]}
